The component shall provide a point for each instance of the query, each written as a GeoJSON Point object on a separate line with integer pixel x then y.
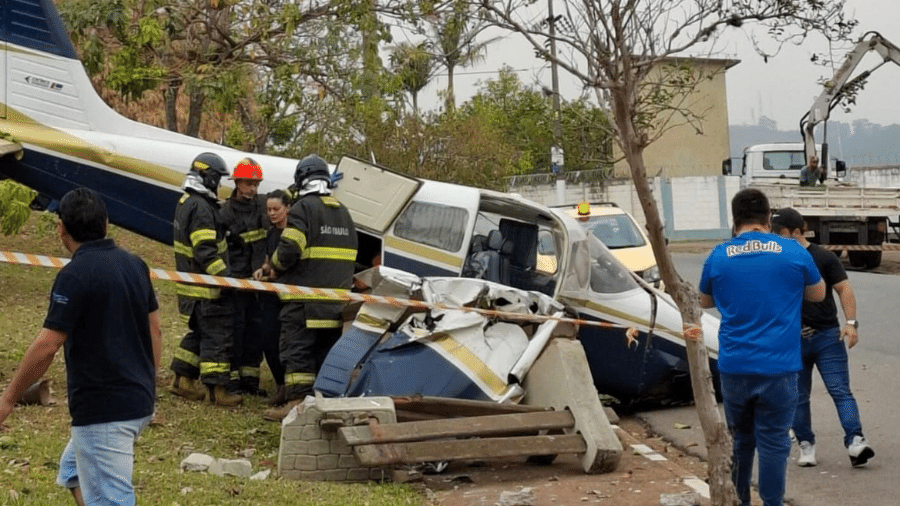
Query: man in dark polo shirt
{"type": "Point", "coordinates": [103, 311]}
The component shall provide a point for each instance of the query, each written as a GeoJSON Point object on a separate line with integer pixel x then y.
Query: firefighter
{"type": "Point", "coordinates": [243, 216]}
{"type": "Point", "coordinates": [200, 248]}
{"type": "Point", "coordinates": [317, 249]}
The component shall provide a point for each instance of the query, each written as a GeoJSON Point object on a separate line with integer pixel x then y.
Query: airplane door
{"type": "Point", "coordinates": [374, 195]}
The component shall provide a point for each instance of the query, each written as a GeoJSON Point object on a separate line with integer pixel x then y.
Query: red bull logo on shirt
{"type": "Point", "coordinates": [754, 246]}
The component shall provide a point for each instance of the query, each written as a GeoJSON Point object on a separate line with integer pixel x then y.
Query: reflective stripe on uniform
{"type": "Point", "coordinates": [197, 292]}
{"type": "Point", "coordinates": [203, 234]}
{"type": "Point", "coordinates": [309, 296]}
{"type": "Point", "coordinates": [299, 379]}
{"type": "Point", "coordinates": [183, 249]}
{"type": "Point", "coordinates": [235, 375]}
{"type": "Point", "coordinates": [326, 253]}
{"type": "Point", "coordinates": [207, 368]}
{"type": "Point", "coordinates": [254, 235]}
{"type": "Point", "coordinates": [222, 246]}
{"type": "Point", "coordinates": [324, 324]}
{"type": "Point", "coordinates": [330, 201]}
{"type": "Point", "coordinates": [186, 356]}
{"type": "Point", "coordinates": [276, 262]}
{"type": "Point", "coordinates": [184, 198]}
{"type": "Point", "coordinates": [215, 267]}
{"type": "Point", "coordinates": [249, 372]}
{"type": "Point", "coordinates": [298, 237]}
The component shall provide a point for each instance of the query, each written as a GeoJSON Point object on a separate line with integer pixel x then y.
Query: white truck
{"type": "Point", "coordinates": [839, 215]}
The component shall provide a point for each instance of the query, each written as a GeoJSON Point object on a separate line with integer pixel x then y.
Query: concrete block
{"type": "Point", "coordinates": [292, 474]}
{"type": "Point", "coordinates": [380, 408]}
{"type": "Point", "coordinates": [311, 432]}
{"type": "Point", "coordinates": [358, 474]}
{"type": "Point", "coordinates": [328, 461]}
{"type": "Point", "coordinates": [291, 432]}
{"type": "Point", "coordinates": [328, 475]}
{"type": "Point", "coordinates": [235, 467]}
{"type": "Point", "coordinates": [561, 378]}
{"type": "Point", "coordinates": [339, 446]}
{"type": "Point", "coordinates": [286, 462]}
{"type": "Point", "coordinates": [197, 462]}
{"type": "Point", "coordinates": [347, 461]}
{"type": "Point", "coordinates": [295, 447]}
{"type": "Point", "coordinates": [318, 447]}
{"type": "Point", "coordinates": [305, 463]}
{"type": "Point", "coordinates": [262, 475]}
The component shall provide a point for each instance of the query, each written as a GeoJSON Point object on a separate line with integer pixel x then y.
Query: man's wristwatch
{"type": "Point", "coordinates": [855, 323]}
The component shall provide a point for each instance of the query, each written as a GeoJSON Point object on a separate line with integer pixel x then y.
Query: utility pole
{"type": "Point", "coordinates": [557, 157]}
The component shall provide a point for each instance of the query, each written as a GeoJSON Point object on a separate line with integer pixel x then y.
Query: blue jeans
{"type": "Point", "coordinates": [99, 459]}
{"type": "Point", "coordinates": [759, 411]}
{"type": "Point", "coordinates": [825, 350]}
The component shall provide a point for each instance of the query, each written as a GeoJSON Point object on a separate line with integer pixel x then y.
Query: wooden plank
{"type": "Point", "coordinates": [447, 407]}
{"type": "Point", "coordinates": [465, 449]}
{"type": "Point", "coordinates": [492, 425]}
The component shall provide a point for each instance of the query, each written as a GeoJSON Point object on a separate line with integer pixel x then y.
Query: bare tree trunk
{"type": "Point", "coordinates": [195, 112]}
{"type": "Point", "coordinates": [718, 440]}
{"type": "Point", "coordinates": [450, 101]}
{"type": "Point", "coordinates": [170, 94]}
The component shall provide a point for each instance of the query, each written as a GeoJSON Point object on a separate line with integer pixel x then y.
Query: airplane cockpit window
{"type": "Point", "coordinates": [436, 225]}
{"type": "Point", "coordinates": [608, 275]}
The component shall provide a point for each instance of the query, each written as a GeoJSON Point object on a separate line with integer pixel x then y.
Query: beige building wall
{"type": "Point", "coordinates": [681, 151]}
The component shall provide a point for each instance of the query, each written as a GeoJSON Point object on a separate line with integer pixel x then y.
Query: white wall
{"type": "Point", "coordinates": [691, 207]}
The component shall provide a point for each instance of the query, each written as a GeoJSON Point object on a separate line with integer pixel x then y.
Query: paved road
{"type": "Point", "coordinates": [874, 366]}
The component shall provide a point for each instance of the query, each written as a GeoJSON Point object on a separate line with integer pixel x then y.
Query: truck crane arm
{"type": "Point", "coordinates": [839, 83]}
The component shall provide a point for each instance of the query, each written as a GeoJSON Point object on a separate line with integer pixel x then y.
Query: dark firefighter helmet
{"type": "Point", "coordinates": [311, 168]}
{"type": "Point", "coordinates": [210, 168]}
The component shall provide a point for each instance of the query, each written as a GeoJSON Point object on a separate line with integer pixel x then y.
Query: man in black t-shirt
{"type": "Point", "coordinates": [822, 346]}
{"type": "Point", "coordinates": [104, 312]}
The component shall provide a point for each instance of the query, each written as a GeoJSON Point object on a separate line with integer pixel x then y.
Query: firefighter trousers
{"type": "Point", "coordinates": [304, 347]}
{"type": "Point", "coordinates": [246, 348]}
{"type": "Point", "coordinates": [204, 350]}
{"type": "Point", "coordinates": [270, 306]}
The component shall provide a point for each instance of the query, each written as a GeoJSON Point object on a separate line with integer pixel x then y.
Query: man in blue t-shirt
{"type": "Point", "coordinates": [758, 281]}
{"type": "Point", "coordinates": [104, 312]}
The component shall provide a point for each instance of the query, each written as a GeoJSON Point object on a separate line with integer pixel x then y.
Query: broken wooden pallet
{"type": "Point", "coordinates": [526, 433]}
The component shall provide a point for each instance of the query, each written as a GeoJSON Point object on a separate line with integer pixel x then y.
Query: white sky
{"type": "Point", "coordinates": [782, 89]}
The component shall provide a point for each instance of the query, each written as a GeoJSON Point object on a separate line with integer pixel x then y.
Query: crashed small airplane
{"type": "Point", "coordinates": [56, 134]}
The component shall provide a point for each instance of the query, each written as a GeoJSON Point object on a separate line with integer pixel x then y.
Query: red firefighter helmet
{"type": "Point", "coordinates": [247, 168]}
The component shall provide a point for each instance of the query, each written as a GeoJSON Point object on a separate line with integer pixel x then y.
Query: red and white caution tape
{"type": "Point", "coordinates": [317, 293]}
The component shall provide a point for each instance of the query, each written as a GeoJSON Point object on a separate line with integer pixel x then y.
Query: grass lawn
{"type": "Point", "coordinates": [35, 435]}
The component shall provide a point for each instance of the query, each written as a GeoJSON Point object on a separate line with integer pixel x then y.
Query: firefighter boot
{"type": "Point", "coordinates": [278, 414]}
{"type": "Point", "coordinates": [278, 398]}
{"type": "Point", "coordinates": [186, 387]}
{"type": "Point", "coordinates": [220, 396]}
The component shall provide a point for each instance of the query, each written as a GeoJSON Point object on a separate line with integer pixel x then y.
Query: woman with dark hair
{"type": "Point", "coordinates": [278, 204]}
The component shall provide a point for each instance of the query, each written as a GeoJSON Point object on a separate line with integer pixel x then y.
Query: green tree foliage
{"type": "Point", "coordinates": [14, 206]}
{"type": "Point", "coordinates": [246, 68]}
{"type": "Point", "coordinates": [413, 65]}
{"type": "Point", "coordinates": [524, 116]}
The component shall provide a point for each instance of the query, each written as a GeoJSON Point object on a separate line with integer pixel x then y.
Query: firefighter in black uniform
{"type": "Point", "coordinates": [243, 216]}
{"type": "Point", "coordinates": [317, 249]}
{"type": "Point", "coordinates": [200, 248]}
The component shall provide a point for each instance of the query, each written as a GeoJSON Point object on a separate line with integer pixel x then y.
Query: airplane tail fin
{"type": "Point", "coordinates": [43, 79]}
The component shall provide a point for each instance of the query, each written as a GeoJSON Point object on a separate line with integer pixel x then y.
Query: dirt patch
{"type": "Point", "coordinates": [638, 481]}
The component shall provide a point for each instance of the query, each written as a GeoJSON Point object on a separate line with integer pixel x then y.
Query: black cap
{"type": "Point", "coordinates": [788, 218]}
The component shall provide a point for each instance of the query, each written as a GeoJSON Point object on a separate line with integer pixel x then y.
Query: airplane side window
{"type": "Point", "coordinates": [435, 225]}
